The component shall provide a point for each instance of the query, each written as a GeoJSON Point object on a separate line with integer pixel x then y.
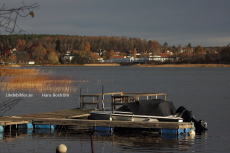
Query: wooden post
{"type": "Point", "coordinates": [80, 99]}
{"type": "Point", "coordinates": [97, 102]}
{"type": "Point", "coordinates": [92, 147]}
{"type": "Point", "coordinates": [102, 98]}
{"type": "Point", "coordinates": [112, 103]}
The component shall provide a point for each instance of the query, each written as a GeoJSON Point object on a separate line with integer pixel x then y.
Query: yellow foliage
{"type": "Point", "coordinates": [32, 14]}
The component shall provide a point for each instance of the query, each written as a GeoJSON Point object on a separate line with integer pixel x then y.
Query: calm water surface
{"type": "Point", "coordinates": [203, 90]}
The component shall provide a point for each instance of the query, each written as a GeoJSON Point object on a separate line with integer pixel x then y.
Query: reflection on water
{"type": "Point", "coordinates": [204, 91]}
{"type": "Point", "coordinates": [37, 141]}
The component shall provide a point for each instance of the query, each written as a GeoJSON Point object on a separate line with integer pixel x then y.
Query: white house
{"type": "Point", "coordinates": [31, 62]}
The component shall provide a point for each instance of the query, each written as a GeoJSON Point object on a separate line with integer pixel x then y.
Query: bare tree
{"type": "Point", "coordinates": [8, 104]}
{"type": "Point", "coordinates": [8, 24]}
{"type": "Point", "coordinates": [10, 16]}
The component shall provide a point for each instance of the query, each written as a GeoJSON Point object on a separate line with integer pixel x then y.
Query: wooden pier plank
{"type": "Point", "coordinates": [63, 117]}
{"type": "Point", "coordinates": [61, 114]}
{"type": "Point", "coordinates": [105, 123]}
{"type": "Point", "coordinates": [68, 113]}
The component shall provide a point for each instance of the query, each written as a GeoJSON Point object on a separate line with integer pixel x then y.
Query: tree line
{"type": "Point", "coordinates": [48, 49]}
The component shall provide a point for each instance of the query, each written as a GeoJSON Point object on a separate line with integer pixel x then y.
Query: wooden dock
{"type": "Point", "coordinates": [104, 123]}
{"type": "Point", "coordinates": [78, 118]}
{"type": "Point", "coordinates": [61, 114]}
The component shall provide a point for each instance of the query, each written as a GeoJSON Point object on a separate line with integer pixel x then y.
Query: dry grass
{"type": "Point", "coordinates": [16, 72]}
{"type": "Point", "coordinates": [35, 80]}
{"type": "Point", "coordinates": [39, 83]}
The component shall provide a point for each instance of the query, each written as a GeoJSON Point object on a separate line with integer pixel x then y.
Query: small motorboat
{"type": "Point", "coordinates": [129, 116]}
{"type": "Point", "coordinates": [154, 110]}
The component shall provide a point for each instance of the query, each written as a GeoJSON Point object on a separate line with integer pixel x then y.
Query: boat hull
{"type": "Point", "coordinates": [128, 116]}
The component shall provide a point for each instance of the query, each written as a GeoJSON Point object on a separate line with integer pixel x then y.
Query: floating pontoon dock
{"type": "Point", "coordinates": [78, 117]}
{"type": "Point", "coordinates": [65, 118]}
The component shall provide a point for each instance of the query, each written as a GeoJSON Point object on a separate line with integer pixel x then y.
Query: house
{"type": "Point", "coordinates": [169, 52]}
{"type": "Point", "coordinates": [130, 53]}
{"type": "Point", "coordinates": [13, 51]}
{"type": "Point", "coordinates": [31, 62]}
{"type": "Point", "coordinates": [100, 52]}
{"type": "Point", "coordinates": [68, 56]}
{"type": "Point", "coordinates": [96, 57]}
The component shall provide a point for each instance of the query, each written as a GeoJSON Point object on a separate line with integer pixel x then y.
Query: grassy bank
{"type": "Point", "coordinates": [35, 80]}
{"type": "Point", "coordinates": [17, 72]}
{"type": "Point", "coordinates": [39, 83]}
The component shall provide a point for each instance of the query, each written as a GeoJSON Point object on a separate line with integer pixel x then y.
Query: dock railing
{"type": "Point", "coordinates": [115, 98]}
{"type": "Point", "coordinates": [95, 99]}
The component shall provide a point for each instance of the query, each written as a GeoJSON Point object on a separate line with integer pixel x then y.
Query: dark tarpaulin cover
{"type": "Point", "coordinates": [153, 107]}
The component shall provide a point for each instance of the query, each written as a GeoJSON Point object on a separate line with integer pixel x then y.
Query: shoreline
{"type": "Point", "coordinates": [136, 65]}
{"type": "Point", "coordinates": [148, 65]}
{"type": "Point", "coordinates": [184, 65]}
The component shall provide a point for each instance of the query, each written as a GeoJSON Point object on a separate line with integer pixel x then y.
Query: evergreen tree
{"type": "Point", "coordinates": [189, 45]}
{"type": "Point", "coordinates": [58, 45]}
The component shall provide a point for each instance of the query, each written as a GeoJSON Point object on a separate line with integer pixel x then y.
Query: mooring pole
{"type": "Point", "coordinates": [92, 147]}
{"type": "Point", "coordinates": [102, 98]}
{"type": "Point", "coordinates": [80, 99]}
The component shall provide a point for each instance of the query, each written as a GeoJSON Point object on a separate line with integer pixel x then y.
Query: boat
{"type": "Point", "coordinates": [153, 110]}
{"type": "Point", "coordinates": [129, 116]}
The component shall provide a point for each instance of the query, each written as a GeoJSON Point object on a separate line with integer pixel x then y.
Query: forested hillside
{"type": "Point", "coordinates": [44, 49]}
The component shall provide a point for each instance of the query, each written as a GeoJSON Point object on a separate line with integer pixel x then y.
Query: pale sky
{"type": "Point", "coordinates": [198, 22]}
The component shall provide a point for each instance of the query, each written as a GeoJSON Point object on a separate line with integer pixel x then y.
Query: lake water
{"type": "Point", "coordinates": [203, 90]}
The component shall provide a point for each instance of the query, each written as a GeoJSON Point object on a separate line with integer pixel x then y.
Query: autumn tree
{"type": "Point", "coordinates": [135, 52]}
{"type": "Point", "coordinates": [52, 58]}
{"type": "Point", "coordinates": [39, 53]}
{"type": "Point", "coordinates": [187, 50]}
{"type": "Point", "coordinates": [179, 48]}
{"type": "Point", "coordinates": [87, 46]}
{"type": "Point", "coordinates": [108, 54]}
{"type": "Point", "coordinates": [6, 51]}
{"type": "Point", "coordinates": [20, 45]}
{"type": "Point", "coordinates": [199, 50]}
{"type": "Point", "coordinates": [81, 57]}
{"type": "Point", "coordinates": [224, 54]}
{"type": "Point", "coordinates": [154, 46]}
{"type": "Point", "coordinates": [13, 58]}
{"type": "Point", "coordinates": [94, 57]}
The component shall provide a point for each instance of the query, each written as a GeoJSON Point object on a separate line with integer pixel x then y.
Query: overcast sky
{"type": "Point", "coordinates": [199, 22]}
